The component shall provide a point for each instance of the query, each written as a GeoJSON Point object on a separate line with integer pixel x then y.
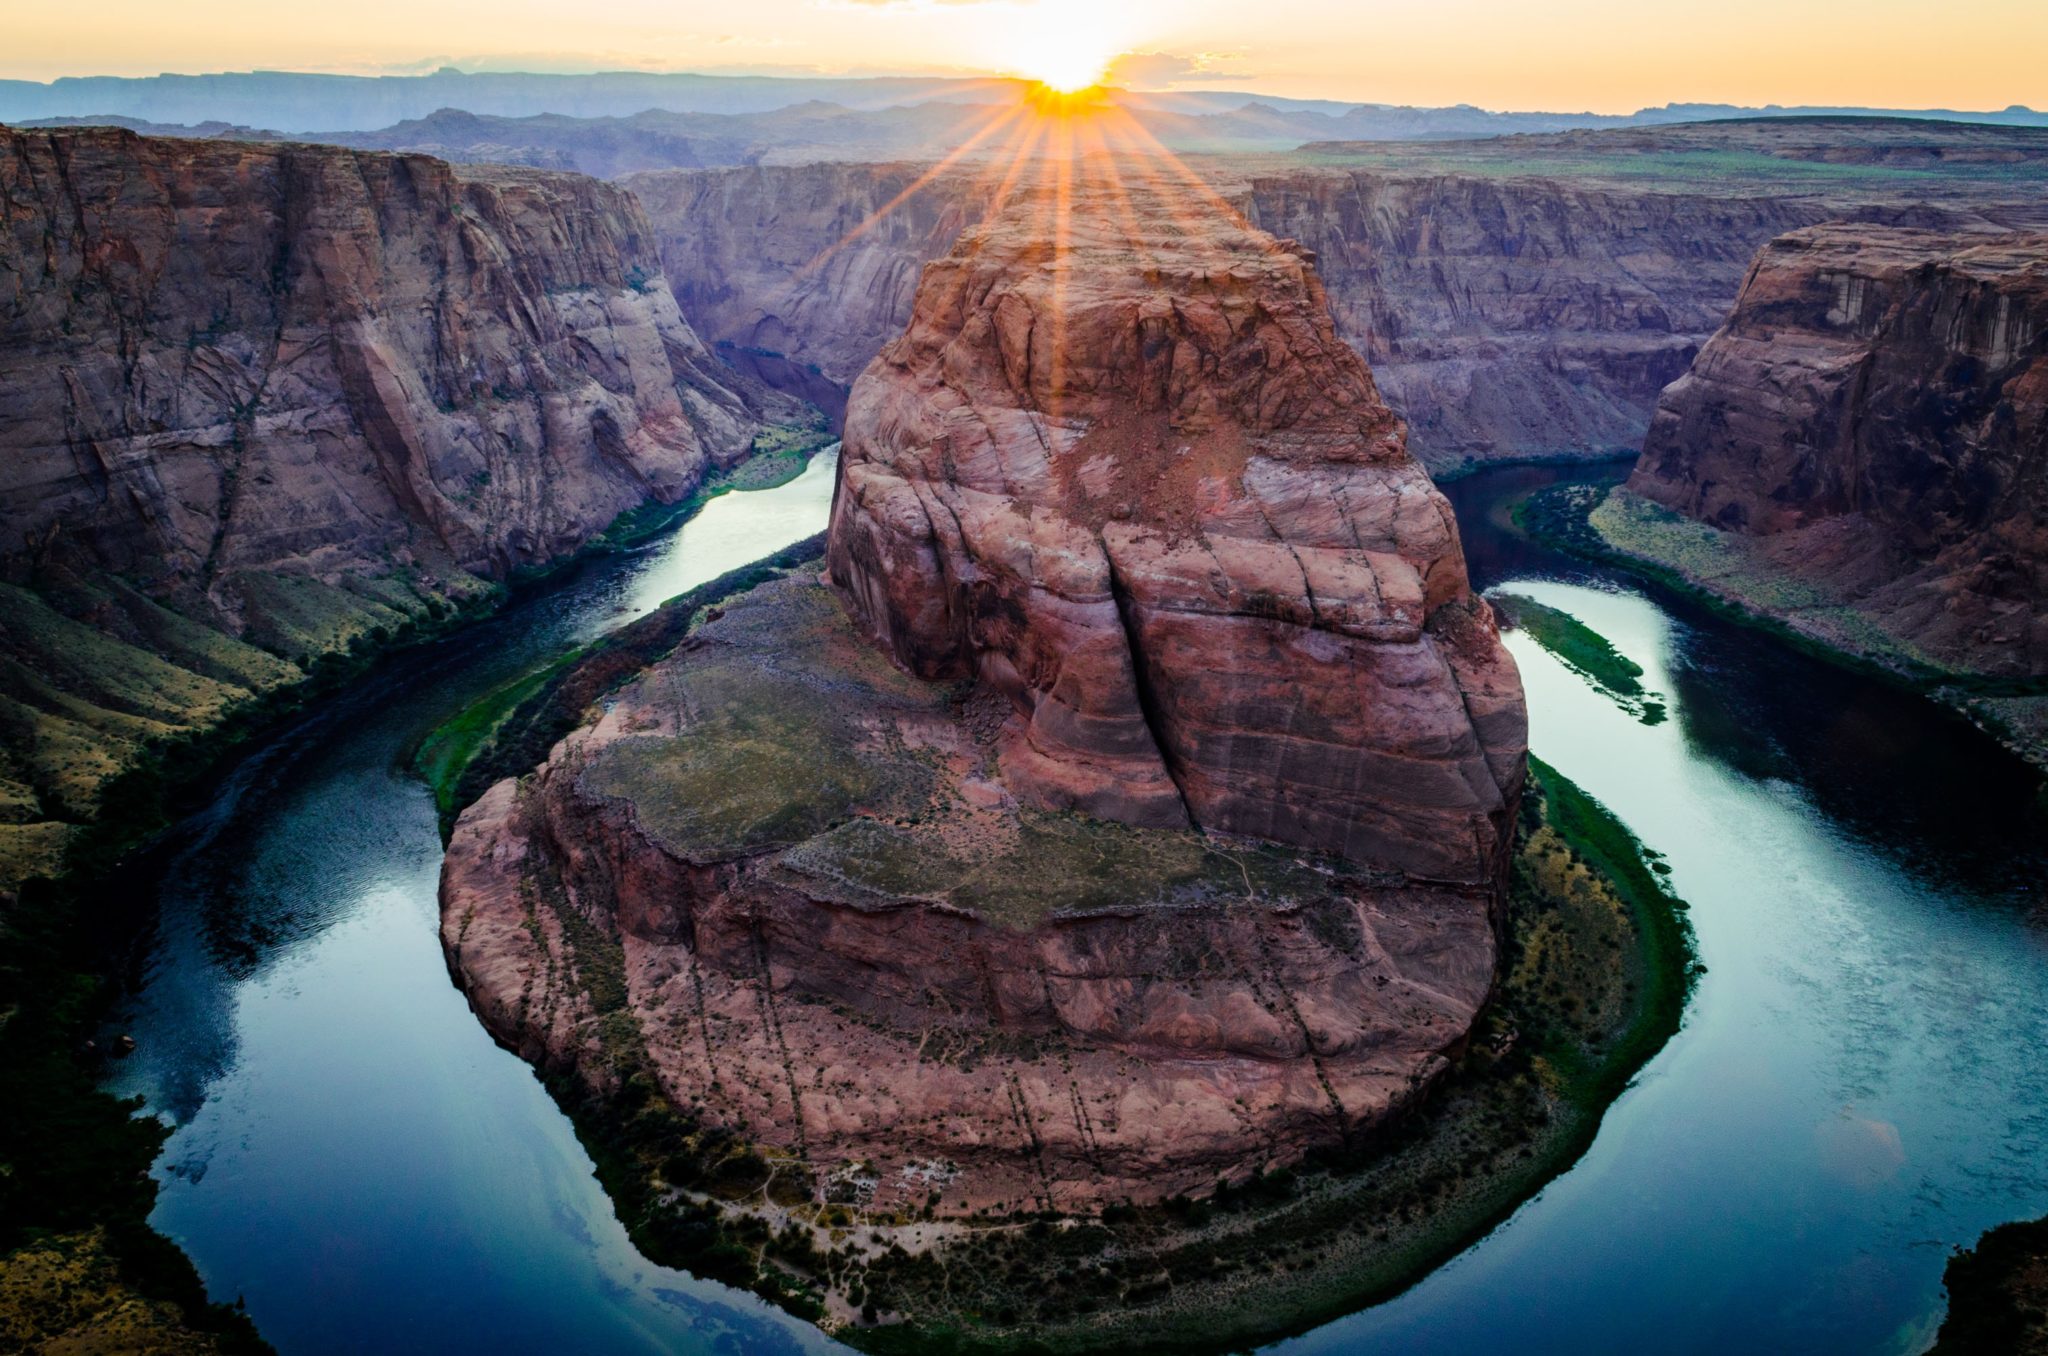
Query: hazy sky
{"type": "Point", "coordinates": [1503, 54]}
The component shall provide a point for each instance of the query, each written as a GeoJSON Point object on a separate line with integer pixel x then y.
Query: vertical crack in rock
{"type": "Point", "coordinates": [1076, 776]}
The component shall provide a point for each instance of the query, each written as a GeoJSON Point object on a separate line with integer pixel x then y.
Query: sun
{"type": "Point", "coordinates": [1060, 44]}
{"type": "Point", "coordinates": [1066, 68]}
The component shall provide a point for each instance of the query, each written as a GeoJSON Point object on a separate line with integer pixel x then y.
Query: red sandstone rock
{"type": "Point", "coordinates": [1135, 482]}
{"type": "Point", "coordinates": [221, 357]}
{"type": "Point", "coordinates": [922, 977]}
{"type": "Point", "coordinates": [1875, 415]}
{"type": "Point", "coordinates": [1005, 926]}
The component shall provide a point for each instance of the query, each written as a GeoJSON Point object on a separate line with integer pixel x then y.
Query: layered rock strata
{"type": "Point", "coordinates": [1136, 484]}
{"type": "Point", "coordinates": [1873, 421]}
{"type": "Point", "coordinates": [258, 402]}
{"type": "Point", "coordinates": [1140, 826]}
{"type": "Point", "coordinates": [1515, 297]}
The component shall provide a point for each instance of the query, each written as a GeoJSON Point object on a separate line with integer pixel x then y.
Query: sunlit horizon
{"type": "Point", "coordinates": [1598, 56]}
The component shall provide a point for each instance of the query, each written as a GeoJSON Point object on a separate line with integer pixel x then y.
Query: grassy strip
{"type": "Point", "coordinates": [451, 747]}
{"type": "Point", "coordinates": [1592, 459]}
{"type": "Point", "coordinates": [779, 455]}
{"type": "Point", "coordinates": [509, 731]}
{"type": "Point", "coordinates": [1558, 517]}
{"type": "Point", "coordinates": [1585, 652]}
{"type": "Point", "coordinates": [1998, 1295]}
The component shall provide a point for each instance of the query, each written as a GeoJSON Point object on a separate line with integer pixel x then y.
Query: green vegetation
{"type": "Point", "coordinates": [1585, 652]}
{"type": "Point", "coordinates": [114, 707]}
{"type": "Point", "coordinates": [115, 710]}
{"type": "Point", "coordinates": [75, 1189]}
{"type": "Point", "coordinates": [1715, 570]}
{"type": "Point", "coordinates": [783, 752]}
{"type": "Point", "coordinates": [779, 455]}
{"type": "Point", "coordinates": [1998, 1295]}
{"type": "Point", "coordinates": [450, 748]}
{"type": "Point", "coordinates": [1596, 970]}
{"type": "Point", "coordinates": [509, 731]}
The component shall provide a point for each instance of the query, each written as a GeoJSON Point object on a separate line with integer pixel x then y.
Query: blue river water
{"type": "Point", "coordinates": [1858, 1087]}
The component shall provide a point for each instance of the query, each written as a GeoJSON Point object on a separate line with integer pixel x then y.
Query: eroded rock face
{"type": "Point", "coordinates": [265, 404]}
{"type": "Point", "coordinates": [218, 357]}
{"type": "Point", "coordinates": [802, 261]}
{"type": "Point", "coordinates": [1129, 816]}
{"type": "Point", "coordinates": [1500, 318]}
{"type": "Point", "coordinates": [1136, 483]}
{"type": "Point", "coordinates": [1875, 416]}
{"type": "Point", "coordinates": [791, 883]}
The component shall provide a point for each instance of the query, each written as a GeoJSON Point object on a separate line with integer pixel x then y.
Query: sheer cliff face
{"type": "Point", "coordinates": [805, 262]}
{"type": "Point", "coordinates": [218, 357]}
{"type": "Point", "coordinates": [259, 403]}
{"type": "Point", "coordinates": [1521, 317]}
{"type": "Point", "coordinates": [1875, 416]}
{"type": "Point", "coordinates": [1135, 482]}
{"type": "Point", "coordinates": [1501, 317]}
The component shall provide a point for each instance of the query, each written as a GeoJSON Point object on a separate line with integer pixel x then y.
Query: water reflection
{"type": "Point", "coordinates": [1857, 1089]}
{"type": "Point", "coordinates": [353, 1155]}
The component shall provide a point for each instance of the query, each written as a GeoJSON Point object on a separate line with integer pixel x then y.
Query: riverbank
{"type": "Point", "coordinates": [77, 1255]}
{"type": "Point", "coordinates": [1998, 1295]}
{"type": "Point", "coordinates": [1598, 520]}
{"type": "Point", "coordinates": [452, 750]}
{"type": "Point", "coordinates": [1289, 1248]}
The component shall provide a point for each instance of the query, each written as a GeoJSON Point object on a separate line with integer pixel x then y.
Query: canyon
{"type": "Point", "coordinates": [1120, 813]}
{"type": "Point", "coordinates": [263, 405]}
{"type": "Point", "coordinates": [1862, 451]}
{"type": "Point", "coordinates": [1524, 296]}
{"type": "Point", "coordinates": [991, 870]}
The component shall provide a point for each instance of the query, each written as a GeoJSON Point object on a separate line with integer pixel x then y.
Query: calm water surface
{"type": "Point", "coordinates": [1859, 1086]}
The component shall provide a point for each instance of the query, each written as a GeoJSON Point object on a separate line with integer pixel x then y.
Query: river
{"type": "Point", "coordinates": [1858, 1088]}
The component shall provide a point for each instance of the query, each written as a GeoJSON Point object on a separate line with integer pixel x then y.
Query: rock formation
{"type": "Point", "coordinates": [259, 401]}
{"type": "Point", "coordinates": [1522, 296]}
{"type": "Point", "coordinates": [1139, 486]}
{"type": "Point", "coordinates": [942, 933]}
{"type": "Point", "coordinates": [1875, 416]}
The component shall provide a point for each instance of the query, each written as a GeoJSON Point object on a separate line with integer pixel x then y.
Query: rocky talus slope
{"type": "Point", "coordinates": [904, 882]}
{"type": "Point", "coordinates": [1866, 443]}
{"type": "Point", "coordinates": [263, 403]}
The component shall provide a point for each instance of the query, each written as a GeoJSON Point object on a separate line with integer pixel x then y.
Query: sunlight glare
{"type": "Point", "coordinates": [1060, 45]}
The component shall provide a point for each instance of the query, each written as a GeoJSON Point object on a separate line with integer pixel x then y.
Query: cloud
{"type": "Point", "coordinates": [1156, 70]}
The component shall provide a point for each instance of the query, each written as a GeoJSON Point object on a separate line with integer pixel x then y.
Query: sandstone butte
{"type": "Point", "coordinates": [1871, 426]}
{"type": "Point", "coordinates": [261, 402]}
{"type": "Point", "coordinates": [1125, 808]}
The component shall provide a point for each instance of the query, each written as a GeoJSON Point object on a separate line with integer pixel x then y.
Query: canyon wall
{"type": "Point", "coordinates": [817, 264]}
{"type": "Point", "coordinates": [1872, 424]}
{"type": "Point", "coordinates": [260, 403]}
{"type": "Point", "coordinates": [1520, 317]}
{"type": "Point", "coordinates": [1502, 317]}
